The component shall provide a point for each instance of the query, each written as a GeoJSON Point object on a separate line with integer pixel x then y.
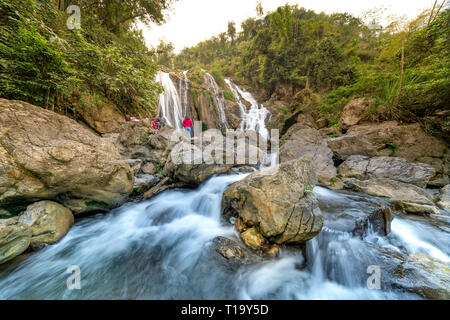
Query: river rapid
{"type": "Point", "coordinates": [163, 249]}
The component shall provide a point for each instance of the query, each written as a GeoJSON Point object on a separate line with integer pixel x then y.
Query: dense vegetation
{"type": "Point", "coordinates": [331, 59]}
{"type": "Point", "coordinates": [44, 62]}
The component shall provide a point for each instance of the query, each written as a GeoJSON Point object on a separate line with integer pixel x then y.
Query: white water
{"type": "Point", "coordinates": [253, 118]}
{"type": "Point", "coordinates": [161, 249]}
{"type": "Point", "coordinates": [170, 107]}
{"type": "Point", "coordinates": [158, 249]}
{"type": "Point", "coordinates": [218, 97]}
{"type": "Point", "coordinates": [418, 237]}
{"type": "Point", "coordinates": [183, 85]}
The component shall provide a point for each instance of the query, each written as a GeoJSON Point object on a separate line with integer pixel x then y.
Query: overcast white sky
{"type": "Point", "coordinates": [192, 21]}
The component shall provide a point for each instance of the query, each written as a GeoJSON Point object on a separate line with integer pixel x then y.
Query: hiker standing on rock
{"type": "Point", "coordinates": [187, 124]}
{"type": "Point", "coordinates": [156, 124]}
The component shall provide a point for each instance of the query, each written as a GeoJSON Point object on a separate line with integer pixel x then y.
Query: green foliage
{"type": "Point", "coordinates": [30, 69]}
{"type": "Point", "coordinates": [117, 16]}
{"type": "Point", "coordinates": [164, 54]}
{"type": "Point", "coordinates": [159, 170]}
{"type": "Point", "coordinates": [100, 204]}
{"type": "Point", "coordinates": [229, 95]}
{"type": "Point", "coordinates": [308, 188]}
{"type": "Point", "coordinates": [217, 74]}
{"type": "Point", "coordinates": [338, 58]}
{"type": "Point", "coordinates": [105, 62]}
{"type": "Point", "coordinates": [394, 147]}
{"type": "Point", "coordinates": [426, 81]}
{"type": "Point", "coordinates": [196, 75]}
{"type": "Point", "coordinates": [284, 139]}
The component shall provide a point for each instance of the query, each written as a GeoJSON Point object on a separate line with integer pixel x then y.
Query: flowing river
{"type": "Point", "coordinates": [162, 249]}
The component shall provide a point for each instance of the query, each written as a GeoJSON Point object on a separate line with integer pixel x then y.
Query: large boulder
{"type": "Point", "coordinates": [390, 138]}
{"type": "Point", "coordinates": [192, 163]}
{"type": "Point", "coordinates": [303, 142]}
{"type": "Point", "coordinates": [277, 203]}
{"type": "Point", "coordinates": [406, 197]}
{"type": "Point", "coordinates": [425, 276]}
{"type": "Point", "coordinates": [395, 168]}
{"type": "Point", "coordinates": [354, 113]}
{"type": "Point", "coordinates": [444, 199]}
{"type": "Point", "coordinates": [15, 238]}
{"type": "Point", "coordinates": [48, 221]}
{"type": "Point", "coordinates": [132, 136]}
{"type": "Point", "coordinates": [103, 119]}
{"type": "Point", "coordinates": [44, 155]}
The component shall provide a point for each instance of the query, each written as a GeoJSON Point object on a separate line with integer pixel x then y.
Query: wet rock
{"type": "Point", "coordinates": [240, 225]}
{"type": "Point", "coordinates": [270, 251]}
{"type": "Point", "coordinates": [229, 249]}
{"type": "Point", "coordinates": [414, 273]}
{"type": "Point", "coordinates": [44, 155]}
{"type": "Point", "coordinates": [406, 197]}
{"type": "Point", "coordinates": [379, 220]}
{"type": "Point", "coordinates": [160, 187]}
{"type": "Point", "coordinates": [354, 213]}
{"type": "Point", "coordinates": [399, 169]}
{"type": "Point", "coordinates": [48, 222]}
{"type": "Point", "coordinates": [302, 142]}
{"type": "Point", "coordinates": [243, 169]}
{"type": "Point", "coordinates": [408, 141]}
{"type": "Point", "coordinates": [425, 276]}
{"type": "Point", "coordinates": [444, 200]}
{"type": "Point", "coordinates": [252, 238]}
{"type": "Point", "coordinates": [15, 238]}
{"type": "Point", "coordinates": [143, 182]}
{"type": "Point", "coordinates": [277, 202]}
{"type": "Point", "coordinates": [414, 207]}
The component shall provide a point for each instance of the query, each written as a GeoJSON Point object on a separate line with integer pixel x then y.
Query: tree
{"type": "Point", "coordinates": [118, 13]}
{"type": "Point", "coordinates": [259, 9]}
{"type": "Point", "coordinates": [165, 54]}
{"type": "Point", "coordinates": [231, 30]}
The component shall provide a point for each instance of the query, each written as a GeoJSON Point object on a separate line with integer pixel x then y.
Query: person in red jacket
{"type": "Point", "coordinates": [187, 124]}
{"type": "Point", "coordinates": [156, 124]}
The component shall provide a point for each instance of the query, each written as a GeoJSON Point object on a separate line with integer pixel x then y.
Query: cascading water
{"type": "Point", "coordinates": [218, 97]}
{"type": "Point", "coordinates": [253, 118]}
{"type": "Point", "coordinates": [186, 93]}
{"type": "Point", "coordinates": [162, 249]}
{"type": "Point", "coordinates": [170, 107]}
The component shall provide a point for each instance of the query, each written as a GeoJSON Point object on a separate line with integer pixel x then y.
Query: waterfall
{"type": "Point", "coordinates": [170, 107]}
{"type": "Point", "coordinates": [218, 97]}
{"type": "Point", "coordinates": [186, 93]}
{"type": "Point", "coordinates": [253, 118]}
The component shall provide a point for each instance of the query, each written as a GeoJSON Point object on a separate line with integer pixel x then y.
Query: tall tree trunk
{"type": "Point", "coordinates": [400, 81]}
{"type": "Point", "coordinates": [437, 12]}
{"type": "Point", "coordinates": [432, 11]}
{"type": "Point", "coordinates": [61, 4]}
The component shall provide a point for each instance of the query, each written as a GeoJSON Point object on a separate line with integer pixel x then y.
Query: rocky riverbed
{"type": "Point", "coordinates": [140, 224]}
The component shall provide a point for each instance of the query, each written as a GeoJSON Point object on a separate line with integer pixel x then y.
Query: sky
{"type": "Point", "coordinates": [193, 21]}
